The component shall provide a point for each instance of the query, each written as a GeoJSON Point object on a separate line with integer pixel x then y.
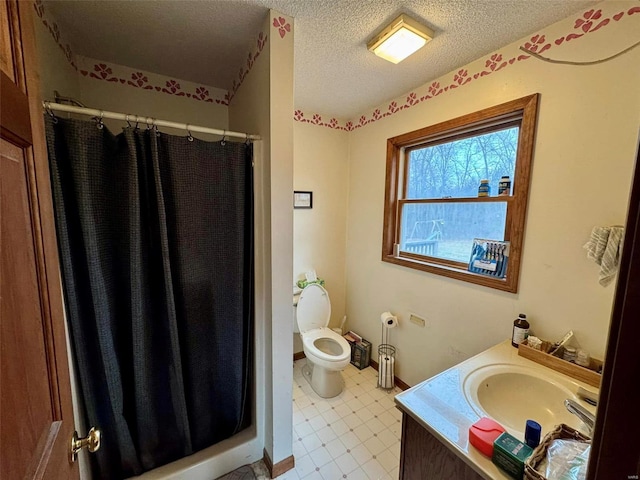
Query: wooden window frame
{"type": "Point", "coordinates": [522, 112]}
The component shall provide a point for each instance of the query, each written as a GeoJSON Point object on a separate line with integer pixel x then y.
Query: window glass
{"type": "Point", "coordinates": [455, 168]}
{"type": "Point", "coordinates": [447, 230]}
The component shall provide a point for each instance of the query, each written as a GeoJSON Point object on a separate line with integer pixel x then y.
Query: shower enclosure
{"type": "Point", "coordinates": [156, 242]}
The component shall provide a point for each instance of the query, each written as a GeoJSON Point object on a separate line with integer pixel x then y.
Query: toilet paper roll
{"type": "Point", "coordinates": [389, 320]}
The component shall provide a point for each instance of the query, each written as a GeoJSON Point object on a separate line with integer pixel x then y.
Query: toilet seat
{"type": "Point", "coordinates": [308, 342]}
{"type": "Point", "coordinates": [313, 314]}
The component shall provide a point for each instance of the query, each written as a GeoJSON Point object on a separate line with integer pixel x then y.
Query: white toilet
{"type": "Point", "coordinates": [327, 352]}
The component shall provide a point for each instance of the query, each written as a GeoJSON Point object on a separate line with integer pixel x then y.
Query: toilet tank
{"type": "Point", "coordinates": [295, 311]}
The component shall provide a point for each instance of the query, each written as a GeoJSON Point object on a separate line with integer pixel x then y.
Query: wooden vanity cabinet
{"type": "Point", "coordinates": [424, 457]}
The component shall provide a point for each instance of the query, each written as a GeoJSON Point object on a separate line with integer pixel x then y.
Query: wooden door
{"type": "Point", "coordinates": [615, 452]}
{"type": "Point", "coordinates": [36, 418]}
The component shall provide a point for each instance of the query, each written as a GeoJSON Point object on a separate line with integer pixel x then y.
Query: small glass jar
{"type": "Point", "coordinates": [569, 354]}
{"type": "Point", "coordinates": [583, 359]}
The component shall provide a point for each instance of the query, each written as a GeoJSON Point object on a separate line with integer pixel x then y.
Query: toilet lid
{"type": "Point", "coordinates": [314, 308]}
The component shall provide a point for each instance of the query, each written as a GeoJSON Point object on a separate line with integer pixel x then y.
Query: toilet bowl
{"type": "Point", "coordinates": [327, 352]}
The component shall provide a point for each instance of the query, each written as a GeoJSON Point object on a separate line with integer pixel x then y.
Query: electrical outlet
{"type": "Point", "coordinates": [421, 322]}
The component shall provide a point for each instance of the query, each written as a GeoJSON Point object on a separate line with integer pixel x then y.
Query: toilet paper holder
{"type": "Point", "coordinates": [386, 353]}
{"type": "Point", "coordinates": [388, 320]}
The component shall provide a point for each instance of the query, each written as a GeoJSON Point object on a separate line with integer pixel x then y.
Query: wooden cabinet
{"type": "Point", "coordinates": [424, 457]}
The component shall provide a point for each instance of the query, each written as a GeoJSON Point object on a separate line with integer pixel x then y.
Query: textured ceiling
{"type": "Point", "coordinates": [335, 74]}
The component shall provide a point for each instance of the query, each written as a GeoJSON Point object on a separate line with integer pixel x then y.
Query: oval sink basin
{"type": "Point", "coordinates": [512, 394]}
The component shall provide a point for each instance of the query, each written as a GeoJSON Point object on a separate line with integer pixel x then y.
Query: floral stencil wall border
{"type": "Point", "coordinates": [282, 26]}
{"type": "Point", "coordinates": [54, 31]}
{"type": "Point", "coordinates": [137, 79]}
{"type": "Point", "coordinates": [122, 75]}
{"type": "Point", "coordinates": [590, 21]}
{"type": "Point", "coordinates": [252, 56]}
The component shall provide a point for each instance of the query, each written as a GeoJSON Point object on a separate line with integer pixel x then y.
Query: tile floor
{"type": "Point", "coordinates": [355, 435]}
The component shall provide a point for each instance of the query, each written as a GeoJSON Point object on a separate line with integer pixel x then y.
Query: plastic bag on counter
{"type": "Point", "coordinates": [567, 460]}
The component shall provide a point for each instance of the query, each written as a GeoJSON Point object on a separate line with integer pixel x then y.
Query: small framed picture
{"type": "Point", "coordinates": [302, 199]}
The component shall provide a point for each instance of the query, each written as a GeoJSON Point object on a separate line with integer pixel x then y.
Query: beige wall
{"type": "Point", "coordinates": [319, 234]}
{"type": "Point", "coordinates": [584, 156]}
{"type": "Point", "coordinates": [249, 112]}
{"type": "Point", "coordinates": [119, 97]}
{"type": "Point", "coordinates": [55, 69]}
{"type": "Point", "coordinates": [281, 93]}
{"type": "Point", "coordinates": [58, 73]}
{"type": "Point", "coordinates": [263, 105]}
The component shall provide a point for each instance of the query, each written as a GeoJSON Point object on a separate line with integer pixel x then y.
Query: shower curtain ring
{"type": "Point", "coordinates": [223, 142]}
{"type": "Point", "coordinates": [247, 140]}
{"type": "Point", "coordinates": [149, 121]}
{"type": "Point", "coordinates": [47, 107]}
{"type": "Point", "coordinates": [127, 120]}
{"type": "Point", "coordinates": [154, 127]}
{"type": "Point", "coordinates": [100, 124]}
{"type": "Point", "coordinates": [189, 136]}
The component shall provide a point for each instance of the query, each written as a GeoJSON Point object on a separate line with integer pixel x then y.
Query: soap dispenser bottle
{"type": "Point", "coordinates": [520, 330]}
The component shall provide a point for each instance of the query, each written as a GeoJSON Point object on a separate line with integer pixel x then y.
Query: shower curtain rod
{"type": "Point", "coordinates": [149, 121]}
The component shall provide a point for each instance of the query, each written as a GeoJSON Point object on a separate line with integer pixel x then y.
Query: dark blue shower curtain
{"type": "Point", "coordinates": [155, 235]}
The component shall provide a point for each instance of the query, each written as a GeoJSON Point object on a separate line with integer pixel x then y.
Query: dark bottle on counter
{"type": "Point", "coordinates": [520, 330]}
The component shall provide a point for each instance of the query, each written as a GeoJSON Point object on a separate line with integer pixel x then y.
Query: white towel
{"type": "Point", "coordinates": [604, 248]}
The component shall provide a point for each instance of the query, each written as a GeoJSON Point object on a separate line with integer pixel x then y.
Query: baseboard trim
{"type": "Point", "coordinates": [299, 356]}
{"type": "Point", "coordinates": [280, 467]}
{"type": "Point", "coordinates": [399, 383]}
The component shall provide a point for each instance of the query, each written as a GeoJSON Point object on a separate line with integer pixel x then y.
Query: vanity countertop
{"type": "Point", "coordinates": [440, 405]}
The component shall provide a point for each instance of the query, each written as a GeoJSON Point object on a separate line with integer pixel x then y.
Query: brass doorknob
{"type": "Point", "coordinates": [91, 442]}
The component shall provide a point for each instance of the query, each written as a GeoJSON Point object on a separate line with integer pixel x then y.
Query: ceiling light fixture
{"type": "Point", "coordinates": [400, 39]}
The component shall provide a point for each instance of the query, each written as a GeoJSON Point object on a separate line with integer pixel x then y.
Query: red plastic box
{"type": "Point", "coordinates": [483, 433]}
